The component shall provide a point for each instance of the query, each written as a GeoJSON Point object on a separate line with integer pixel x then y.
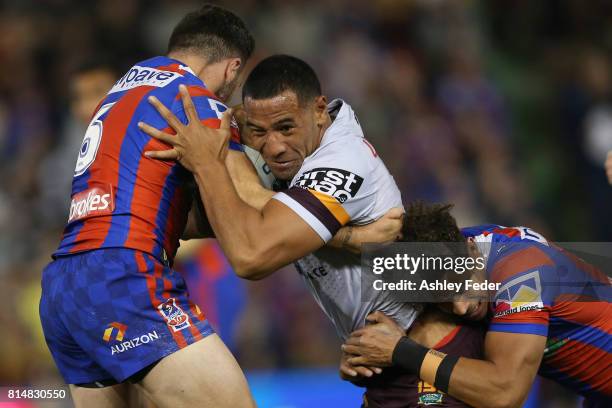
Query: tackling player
{"type": "Point", "coordinates": [112, 309]}
{"type": "Point", "coordinates": [542, 322]}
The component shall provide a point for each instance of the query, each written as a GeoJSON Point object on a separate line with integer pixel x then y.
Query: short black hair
{"type": "Point", "coordinates": [214, 31]}
{"type": "Point", "coordinates": [279, 73]}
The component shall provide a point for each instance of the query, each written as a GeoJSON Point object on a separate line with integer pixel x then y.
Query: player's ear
{"type": "Point", "coordinates": [232, 69]}
{"type": "Point", "coordinates": [320, 110]}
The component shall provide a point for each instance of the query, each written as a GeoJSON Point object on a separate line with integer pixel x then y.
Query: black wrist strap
{"type": "Point", "coordinates": [444, 372]}
{"type": "Point", "coordinates": [409, 355]}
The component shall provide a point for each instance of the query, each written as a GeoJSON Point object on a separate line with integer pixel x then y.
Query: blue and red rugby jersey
{"type": "Point", "coordinates": [120, 198]}
{"type": "Point", "coordinates": [550, 292]}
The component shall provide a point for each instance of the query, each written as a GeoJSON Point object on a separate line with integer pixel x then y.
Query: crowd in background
{"type": "Point", "coordinates": [503, 108]}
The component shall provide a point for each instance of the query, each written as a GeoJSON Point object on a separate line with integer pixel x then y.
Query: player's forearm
{"type": "Point", "coordinates": [480, 383]}
{"type": "Point", "coordinates": [228, 215]}
{"type": "Point", "coordinates": [255, 195]}
{"type": "Point", "coordinates": [246, 181]}
{"type": "Point", "coordinates": [484, 384]}
{"type": "Point", "coordinates": [254, 248]}
{"type": "Point", "coordinates": [346, 238]}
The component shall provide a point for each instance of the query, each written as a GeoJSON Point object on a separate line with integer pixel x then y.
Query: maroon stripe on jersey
{"type": "Point", "coordinates": [315, 207]}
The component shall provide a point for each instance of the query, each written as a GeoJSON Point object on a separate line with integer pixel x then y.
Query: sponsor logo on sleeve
{"type": "Point", "coordinates": [174, 315]}
{"type": "Point", "coordinates": [338, 183]}
{"type": "Point", "coordinates": [519, 295]}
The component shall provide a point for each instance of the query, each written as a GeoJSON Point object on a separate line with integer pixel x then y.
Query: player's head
{"type": "Point", "coordinates": [90, 82]}
{"type": "Point", "coordinates": [219, 39]}
{"type": "Point", "coordinates": [434, 223]}
{"type": "Point", "coordinates": [286, 113]}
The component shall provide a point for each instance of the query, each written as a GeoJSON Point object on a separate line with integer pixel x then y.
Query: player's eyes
{"type": "Point", "coordinates": [258, 133]}
{"type": "Point", "coordinates": [286, 129]}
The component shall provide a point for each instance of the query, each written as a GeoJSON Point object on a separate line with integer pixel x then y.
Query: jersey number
{"type": "Point", "coordinates": [91, 141]}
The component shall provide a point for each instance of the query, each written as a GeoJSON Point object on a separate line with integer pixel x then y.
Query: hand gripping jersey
{"type": "Point", "coordinates": [121, 198]}
{"type": "Point", "coordinates": [343, 181]}
{"type": "Point", "coordinates": [547, 291]}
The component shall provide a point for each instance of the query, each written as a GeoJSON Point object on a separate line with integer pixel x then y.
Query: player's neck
{"type": "Point", "coordinates": [324, 127]}
{"type": "Point", "coordinates": [199, 67]}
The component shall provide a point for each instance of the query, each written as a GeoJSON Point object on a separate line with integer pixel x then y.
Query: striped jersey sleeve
{"type": "Point", "coordinates": [526, 294]}
{"type": "Point", "coordinates": [328, 194]}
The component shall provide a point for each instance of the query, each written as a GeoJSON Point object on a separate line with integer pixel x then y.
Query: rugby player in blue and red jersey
{"type": "Point", "coordinates": [112, 309]}
{"type": "Point", "coordinates": [551, 314]}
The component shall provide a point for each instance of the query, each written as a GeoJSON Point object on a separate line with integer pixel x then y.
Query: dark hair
{"type": "Point", "coordinates": [214, 31]}
{"type": "Point", "coordinates": [430, 223]}
{"type": "Point", "coordinates": [434, 225]}
{"type": "Point", "coordinates": [279, 73]}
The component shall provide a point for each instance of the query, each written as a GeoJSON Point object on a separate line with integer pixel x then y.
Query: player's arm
{"type": "Point", "coordinates": [256, 242]}
{"type": "Point", "coordinates": [247, 184]}
{"type": "Point", "coordinates": [249, 188]}
{"type": "Point", "coordinates": [502, 379]}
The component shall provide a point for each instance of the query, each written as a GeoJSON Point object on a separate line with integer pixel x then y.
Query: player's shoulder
{"type": "Point", "coordinates": [343, 145]}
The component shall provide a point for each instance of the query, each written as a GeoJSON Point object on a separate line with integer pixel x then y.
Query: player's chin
{"type": "Point", "coordinates": [284, 170]}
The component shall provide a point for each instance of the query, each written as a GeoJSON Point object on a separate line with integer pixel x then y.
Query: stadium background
{"type": "Point", "coordinates": [501, 107]}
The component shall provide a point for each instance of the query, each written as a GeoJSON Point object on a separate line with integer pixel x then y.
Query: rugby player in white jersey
{"type": "Point", "coordinates": [335, 178]}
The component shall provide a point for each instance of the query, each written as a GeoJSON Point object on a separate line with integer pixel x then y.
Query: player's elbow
{"type": "Point", "coordinates": [505, 396]}
{"type": "Point", "coordinates": [248, 265]}
{"type": "Point", "coordinates": [503, 400]}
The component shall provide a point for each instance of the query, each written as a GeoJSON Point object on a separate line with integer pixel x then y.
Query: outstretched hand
{"type": "Point", "coordinates": [194, 144]}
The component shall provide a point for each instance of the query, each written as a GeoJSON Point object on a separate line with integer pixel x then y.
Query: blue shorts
{"type": "Point", "coordinates": [109, 313]}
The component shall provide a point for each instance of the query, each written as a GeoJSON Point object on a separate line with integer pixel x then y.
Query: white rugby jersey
{"type": "Point", "coordinates": [343, 182]}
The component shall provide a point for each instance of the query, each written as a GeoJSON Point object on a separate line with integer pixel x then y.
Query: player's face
{"type": "Point", "coordinates": [283, 131]}
{"type": "Point", "coordinates": [470, 309]}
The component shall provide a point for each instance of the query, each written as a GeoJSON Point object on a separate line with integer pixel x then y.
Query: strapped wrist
{"type": "Point", "coordinates": [409, 355]}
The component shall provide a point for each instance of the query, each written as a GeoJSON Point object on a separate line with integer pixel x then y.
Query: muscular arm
{"type": "Point", "coordinates": [504, 377]}
{"type": "Point", "coordinates": [250, 190]}
{"type": "Point", "coordinates": [257, 243]}
{"type": "Point", "coordinates": [246, 182]}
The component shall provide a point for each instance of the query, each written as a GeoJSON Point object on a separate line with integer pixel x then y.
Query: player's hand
{"type": "Point", "coordinates": [194, 143]}
{"type": "Point", "coordinates": [373, 345]}
{"type": "Point", "coordinates": [241, 118]}
{"type": "Point", "coordinates": [388, 228]}
{"type": "Point", "coordinates": [609, 167]}
{"type": "Point", "coordinates": [349, 372]}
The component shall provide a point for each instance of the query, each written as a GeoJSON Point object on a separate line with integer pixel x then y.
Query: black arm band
{"type": "Point", "coordinates": [409, 355]}
{"type": "Point", "coordinates": [444, 372]}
